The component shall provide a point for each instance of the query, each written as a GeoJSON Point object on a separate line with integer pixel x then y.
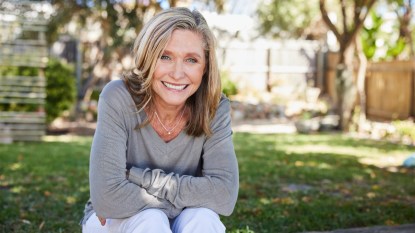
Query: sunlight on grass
{"type": "Point", "coordinates": [370, 156]}
{"type": "Point", "coordinates": [297, 183]}
{"type": "Point", "coordinates": [288, 183]}
{"type": "Point", "coordinates": [15, 166]}
{"type": "Point", "coordinates": [71, 200]}
{"type": "Point", "coordinates": [313, 164]}
{"type": "Point", "coordinates": [44, 185]}
{"type": "Point", "coordinates": [64, 138]}
{"type": "Point", "coordinates": [17, 189]}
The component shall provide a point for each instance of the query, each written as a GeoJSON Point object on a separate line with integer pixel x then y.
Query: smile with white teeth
{"type": "Point", "coordinates": [175, 87]}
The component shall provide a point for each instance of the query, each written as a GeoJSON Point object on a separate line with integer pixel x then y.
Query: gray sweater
{"type": "Point", "coordinates": [185, 172]}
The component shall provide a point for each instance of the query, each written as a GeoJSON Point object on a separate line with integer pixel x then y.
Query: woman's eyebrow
{"type": "Point", "coordinates": [197, 55]}
{"type": "Point", "coordinates": [193, 54]}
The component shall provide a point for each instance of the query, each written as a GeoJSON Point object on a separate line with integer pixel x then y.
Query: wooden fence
{"type": "Point", "coordinates": [22, 98]}
{"type": "Point", "coordinates": [389, 87]}
{"type": "Point", "coordinates": [390, 90]}
{"type": "Point", "coordinates": [285, 68]}
{"type": "Point", "coordinates": [288, 68]}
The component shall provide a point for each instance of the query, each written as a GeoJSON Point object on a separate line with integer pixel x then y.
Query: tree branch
{"type": "Point", "coordinates": [344, 14]}
{"type": "Point", "coordinates": [328, 21]}
{"type": "Point", "coordinates": [360, 16]}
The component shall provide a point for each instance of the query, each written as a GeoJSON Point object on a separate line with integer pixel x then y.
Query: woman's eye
{"type": "Point", "coordinates": [164, 57]}
{"type": "Point", "coordinates": [191, 60]}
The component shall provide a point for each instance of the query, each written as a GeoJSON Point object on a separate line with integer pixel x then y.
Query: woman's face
{"type": "Point", "coordinates": [179, 70]}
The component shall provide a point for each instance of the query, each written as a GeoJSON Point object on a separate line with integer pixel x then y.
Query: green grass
{"type": "Point", "coordinates": [341, 183]}
{"type": "Point", "coordinates": [43, 186]}
{"type": "Point", "coordinates": [344, 184]}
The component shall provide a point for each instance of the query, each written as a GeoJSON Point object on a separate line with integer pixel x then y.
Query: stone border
{"type": "Point", "coordinates": [407, 228]}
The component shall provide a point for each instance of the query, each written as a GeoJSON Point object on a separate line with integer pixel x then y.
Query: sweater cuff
{"type": "Point", "coordinates": [137, 175]}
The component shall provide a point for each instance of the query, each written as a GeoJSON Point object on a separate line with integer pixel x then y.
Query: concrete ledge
{"type": "Point", "coordinates": [407, 228]}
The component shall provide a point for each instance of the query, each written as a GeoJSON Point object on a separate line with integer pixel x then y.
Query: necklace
{"type": "Point", "coordinates": [169, 131]}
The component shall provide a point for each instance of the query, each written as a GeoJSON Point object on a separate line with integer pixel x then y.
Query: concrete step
{"type": "Point", "coordinates": [407, 228]}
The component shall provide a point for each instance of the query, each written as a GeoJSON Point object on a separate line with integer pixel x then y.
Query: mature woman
{"type": "Point", "coordinates": [162, 158]}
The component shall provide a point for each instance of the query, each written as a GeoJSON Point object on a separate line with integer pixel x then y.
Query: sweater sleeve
{"type": "Point", "coordinates": [216, 189]}
{"type": "Point", "coordinates": [112, 195]}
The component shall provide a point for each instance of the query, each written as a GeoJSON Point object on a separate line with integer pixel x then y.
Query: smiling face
{"type": "Point", "coordinates": [179, 70]}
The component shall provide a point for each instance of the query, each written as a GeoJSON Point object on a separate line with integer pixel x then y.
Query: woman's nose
{"type": "Point", "coordinates": [178, 70]}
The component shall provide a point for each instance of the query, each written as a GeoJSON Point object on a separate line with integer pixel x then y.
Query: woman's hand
{"type": "Point", "coordinates": [102, 220]}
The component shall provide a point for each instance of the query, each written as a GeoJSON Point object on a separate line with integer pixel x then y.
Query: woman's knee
{"type": "Point", "coordinates": [152, 215]}
{"type": "Point", "coordinates": [93, 225]}
{"type": "Point", "coordinates": [146, 221]}
{"type": "Point", "coordinates": [150, 220]}
{"type": "Point", "coordinates": [198, 220]}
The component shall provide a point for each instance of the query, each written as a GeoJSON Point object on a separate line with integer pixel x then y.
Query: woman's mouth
{"type": "Point", "coordinates": [175, 86]}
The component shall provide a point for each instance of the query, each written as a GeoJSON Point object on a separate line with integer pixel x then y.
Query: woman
{"type": "Point", "coordinates": [162, 158]}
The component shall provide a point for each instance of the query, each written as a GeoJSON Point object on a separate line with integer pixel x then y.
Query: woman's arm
{"type": "Point", "coordinates": [217, 189]}
{"type": "Point", "coordinates": [112, 195]}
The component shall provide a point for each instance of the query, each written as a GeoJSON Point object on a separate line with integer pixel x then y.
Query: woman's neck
{"type": "Point", "coordinates": [167, 113]}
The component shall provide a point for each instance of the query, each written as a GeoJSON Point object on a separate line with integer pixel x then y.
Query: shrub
{"type": "Point", "coordinates": [228, 87]}
{"type": "Point", "coordinates": [60, 89]}
{"type": "Point", "coordinates": [405, 129]}
{"type": "Point", "coordinates": [18, 71]}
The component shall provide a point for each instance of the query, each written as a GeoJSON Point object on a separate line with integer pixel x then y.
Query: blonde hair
{"type": "Point", "coordinates": [148, 48]}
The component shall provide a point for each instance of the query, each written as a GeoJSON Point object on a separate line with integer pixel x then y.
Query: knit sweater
{"type": "Point", "coordinates": [184, 172]}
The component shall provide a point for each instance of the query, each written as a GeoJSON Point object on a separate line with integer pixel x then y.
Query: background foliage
{"type": "Point", "coordinates": [287, 19]}
{"type": "Point", "coordinates": [18, 71]}
{"type": "Point", "coordinates": [60, 89]}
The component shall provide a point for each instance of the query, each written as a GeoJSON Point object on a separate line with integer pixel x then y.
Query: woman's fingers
{"type": "Point", "coordinates": [102, 220]}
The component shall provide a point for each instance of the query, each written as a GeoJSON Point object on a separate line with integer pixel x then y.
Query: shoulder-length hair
{"type": "Point", "coordinates": [148, 48]}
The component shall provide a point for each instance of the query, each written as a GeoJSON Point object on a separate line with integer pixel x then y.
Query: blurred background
{"type": "Point", "coordinates": [322, 95]}
{"type": "Point", "coordinates": [344, 67]}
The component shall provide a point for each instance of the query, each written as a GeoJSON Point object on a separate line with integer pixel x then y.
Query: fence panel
{"type": "Point", "coordinates": [389, 87]}
{"type": "Point", "coordinates": [22, 98]}
{"type": "Point", "coordinates": [286, 68]}
{"type": "Point", "coordinates": [390, 90]}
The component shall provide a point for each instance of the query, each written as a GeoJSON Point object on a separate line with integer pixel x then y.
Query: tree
{"type": "Point", "coordinates": [371, 33]}
{"type": "Point", "coordinates": [352, 17]}
{"type": "Point", "coordinates": [403, 10]}
{"type": "Point", "coordinates": [117, 24]}
{"type": "Point", "coordinates": [395, 34]}
{"type": "Point", "coordinates": [217, 5]}
{"type": "Point", "coordinates": [288, 18]}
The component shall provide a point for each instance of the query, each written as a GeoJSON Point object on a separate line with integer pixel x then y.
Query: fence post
{"type": "Point", "coordinates": [268, 78]}
{"type": "Point", "coordinates": [321, 67]}
{"type": "Point", "coordinates": [5, 135]}
{"type": "Point", "coordinates": [413, 90]}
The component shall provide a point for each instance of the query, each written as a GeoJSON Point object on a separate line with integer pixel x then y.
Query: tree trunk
{"type": "Point", "coordinates": [361, 80]}
{"type": "Point", "coordinates": [346, 88]}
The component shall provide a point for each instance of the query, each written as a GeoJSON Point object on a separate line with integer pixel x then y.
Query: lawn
{"type": "Point", "coordinates": [288, 183]}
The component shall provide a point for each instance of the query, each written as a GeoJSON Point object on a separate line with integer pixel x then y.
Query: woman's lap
{"type": "Point", "coordinates": [197, 220]}
{"type": "Point", "coordinates": [154, 220]}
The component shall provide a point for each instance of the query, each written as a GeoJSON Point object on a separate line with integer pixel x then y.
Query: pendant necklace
{"type": "Point", "coordinates": [169, 131]}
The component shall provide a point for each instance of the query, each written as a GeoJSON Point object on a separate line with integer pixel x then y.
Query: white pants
{"type": "Point", "coordinates": [199, 220]}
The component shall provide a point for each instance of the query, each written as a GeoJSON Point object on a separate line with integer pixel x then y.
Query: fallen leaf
{"type": "Point", "coordinates": [371, 195]}
{"type": "Point", "coordinates": [390, 222]}
{"type": "Point", "coordinates": [25, 221]}
{"type": "Point", "coordinates": [41, 225]}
